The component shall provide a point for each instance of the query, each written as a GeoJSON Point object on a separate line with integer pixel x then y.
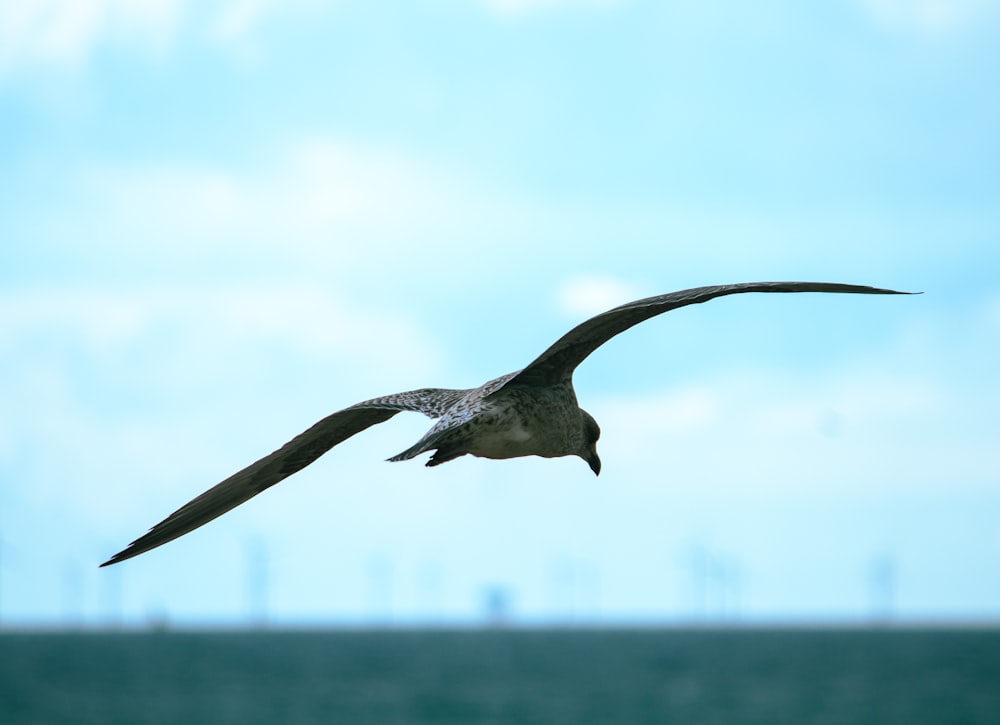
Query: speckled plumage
{"type": "Point", "coordinates": [530, 412]}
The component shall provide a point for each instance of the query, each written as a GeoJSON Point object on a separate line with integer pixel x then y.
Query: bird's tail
{"type": "Point", "coordinates": [411, 452]}
{"type": "Point", "coordinates": [442, 453]}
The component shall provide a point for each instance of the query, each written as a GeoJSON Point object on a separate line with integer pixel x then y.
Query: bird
{"type": "Point", "coordinates": [529, 412]}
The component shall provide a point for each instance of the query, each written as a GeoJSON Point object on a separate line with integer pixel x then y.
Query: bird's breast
{"type": "Point", "coordinates": [526, 425]}
{"type": "Point", "coordinates": [507, 441]}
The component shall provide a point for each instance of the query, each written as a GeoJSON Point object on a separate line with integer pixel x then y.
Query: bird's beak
{"type": "Point", "coordinates": [593, 461]}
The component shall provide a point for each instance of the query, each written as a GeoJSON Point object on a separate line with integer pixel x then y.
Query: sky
{"type": "Point", "coordinates": [222, 221]}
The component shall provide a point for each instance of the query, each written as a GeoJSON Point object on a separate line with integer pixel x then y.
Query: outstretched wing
{"type": "Point", "coordinates": [295, 455]}
{"type": "Point", "coordinates": [558, 362]}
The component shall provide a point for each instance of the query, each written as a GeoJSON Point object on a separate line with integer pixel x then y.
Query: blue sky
{"type": "Point", "coordinates": [221, 221]}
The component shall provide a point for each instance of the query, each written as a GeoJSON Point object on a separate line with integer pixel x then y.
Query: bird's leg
{"type": "Point", "coordinates": [447, 453]}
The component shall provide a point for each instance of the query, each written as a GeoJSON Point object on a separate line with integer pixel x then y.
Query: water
{"type": "Point", "coordinates": [504, 676]}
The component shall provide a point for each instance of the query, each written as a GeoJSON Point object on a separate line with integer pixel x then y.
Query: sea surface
{"type": "Point", "coordinates": [699, 676]}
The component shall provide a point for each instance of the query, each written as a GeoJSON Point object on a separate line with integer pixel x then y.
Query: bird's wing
{"type": "Point", "coordinates": [558, 362]}
{"type": "Point", "coordinates": [295, 455]}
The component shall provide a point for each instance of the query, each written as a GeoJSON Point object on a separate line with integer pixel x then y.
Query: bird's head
{"type": "Point", "coordinates": [588, 449]}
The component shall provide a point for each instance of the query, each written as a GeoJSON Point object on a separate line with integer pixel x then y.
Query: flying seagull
{"type": "Point", "coordinates": [530, 412]}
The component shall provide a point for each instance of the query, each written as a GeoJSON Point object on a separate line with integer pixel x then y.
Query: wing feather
{"type": "Point", "coordinates": [295, 455]}
{"type": "Point", "coordinates": [558, 362]}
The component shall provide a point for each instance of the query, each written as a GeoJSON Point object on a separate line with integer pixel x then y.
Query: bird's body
{"type": "Point", "coordinates": [530, 412]}
{"type": "Point", "coordinates": [494, 421]}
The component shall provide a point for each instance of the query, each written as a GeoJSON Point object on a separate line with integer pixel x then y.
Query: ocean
{"type": "Point", "coordinates": [600, 676]}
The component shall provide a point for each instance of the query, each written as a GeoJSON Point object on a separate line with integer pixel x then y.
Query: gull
{"type": "Point", "coordinates": [529, 412]}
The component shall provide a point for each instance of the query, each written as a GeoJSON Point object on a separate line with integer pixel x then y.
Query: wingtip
{"type": "Point", "coordinates": [122, 555]}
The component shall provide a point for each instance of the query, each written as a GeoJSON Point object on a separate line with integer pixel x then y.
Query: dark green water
{"type": "Point", "coordinates": [505, 676]}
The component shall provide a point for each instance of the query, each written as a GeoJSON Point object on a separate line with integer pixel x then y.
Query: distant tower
{"type": "Point", "coordinates": [589, 588]}
{"type": "Point", "coordinates": [496, 605]}
{"type": "Point", "coordinates": [431, 587]}
{"type": "Point", "coordinates": [563, 589]}
{"type": "Point", "coordinates": [111, 579]}
{"type": "Point", "coordinates": [727, 575]}
{"type": "Point", "coordinates": [714, 582]}
{"type": "Point", "coordinates": [698, 560]}
{"type": "Point", "coordinates": [257, 582]}
{"type": "Point", "coordinates": [882, 586]}
{"type": "Point", "coordinates": [379, 590]}
{"type": "Point", "coordinates": [72, 594]}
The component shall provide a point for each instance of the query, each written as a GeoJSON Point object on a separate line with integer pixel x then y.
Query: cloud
{"type": "Point", "coordinates": [311, 188]}
{"type": "Point", "coordinates": [238, 19]}
{"type": "Point", "coordinates": [227, 318]}
{"type": "Point", "coordinates": [66, 33]}
{"type": "Point", "coordinates": [935, 17]}
{"type": "Point", "coordinates": [516, 8]}
{"type": "Point", "coordinates": [328, 204]}
{"type": "Point", "coordinates": [586, 296]}
{"type": "Point", "coordinates": [902, 420]}
{"type": "Point", "coordinates": [93, 371]}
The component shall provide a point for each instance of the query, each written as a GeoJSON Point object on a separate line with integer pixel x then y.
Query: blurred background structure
{"type": "Point", "coordinates": [221, 221]}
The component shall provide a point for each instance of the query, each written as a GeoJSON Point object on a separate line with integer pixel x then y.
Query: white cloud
{"type": "Point", "coordinates": [144, 372]}
{"type": "Point", "coordinates": [586, 296]}
{"type": "Point", "coordinates": [928, 16]}
{"type": "Point", "coordinates": [914, 415]}
{"type": "Point", "coordinates": [311, 188]}
{"type": "Point", "coordinates": [839, 431]}
{"type": "Point", "coordinates": [65, 33]}
{"type": "Point", "coordinates": [221, 318]}
{"type": "Point", "coordinates": [333, 182]}
{"type": "Point", "coordinates": [524, 7]}
{"type": "Point", "coordinates": [239, 18]}
{"type": "Point", "coordinates": [342, 206]}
